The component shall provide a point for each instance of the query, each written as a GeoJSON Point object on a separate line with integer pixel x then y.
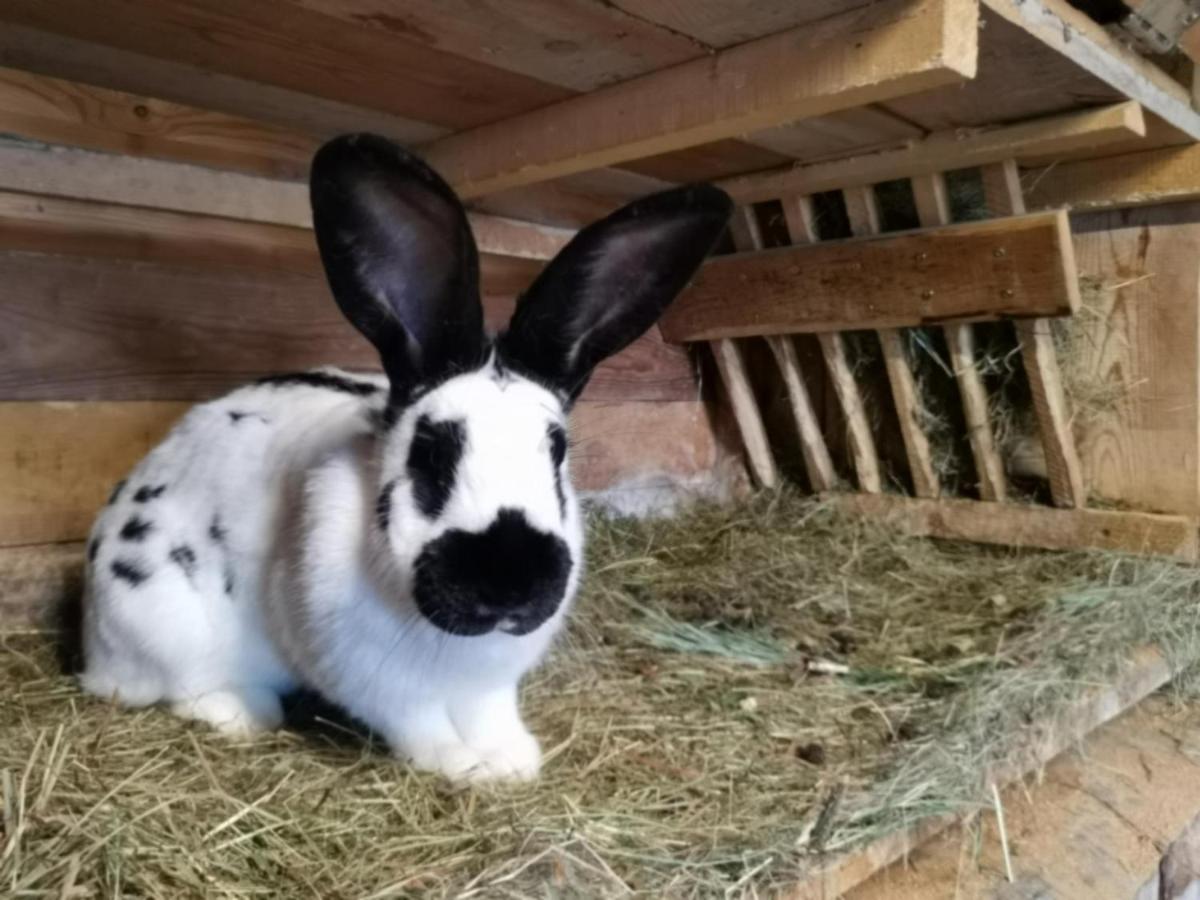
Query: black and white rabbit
{"type": "Point", "coordinates": [405, 544]}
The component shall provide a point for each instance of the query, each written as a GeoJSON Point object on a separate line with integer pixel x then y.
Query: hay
{"type": "Point", "coordinates": [695, 745]}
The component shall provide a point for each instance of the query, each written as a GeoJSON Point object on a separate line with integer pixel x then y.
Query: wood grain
{"type": "Point", "coordinates": [1003, 196]}
{"type": "Point", "coordinates": [896, 48]}
{"type": "Point", "coordinates": [77, 328]}
{"type": "Point", "coordinates": [978, 271]}
{"type": "Point", "coordinates": [1132, 179]}
{"type": "Point", "coordinates": [1142, 348]}
{"type": "Point", "coordinates": [63, 112]}
{"type": "Point", "coordinates": [59, 461]}
{"type": "Point", "coordinates": [1018, 525]}
{"type": "Point", "coordinates": [952, 149]}
{"type": "Point", "coordinates": [862, 209]}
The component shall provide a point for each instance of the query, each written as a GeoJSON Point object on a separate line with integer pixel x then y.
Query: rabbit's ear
{"type": "Point", "coordinates": [610, 284]}
{"type": "Point", "coordinates": [400, 258]}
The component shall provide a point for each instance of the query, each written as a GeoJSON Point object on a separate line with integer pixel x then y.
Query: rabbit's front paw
{"type": "Point", "coordinates": [517, 759]}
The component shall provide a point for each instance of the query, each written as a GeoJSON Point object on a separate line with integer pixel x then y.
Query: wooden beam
{"type": "Point", "coordinates": [864, 214]}
{"type": "Point", "coordinates": [1040, 138]}
{"type": "Point", "coordinates": [977, 271]}
{"type": "Point", "coordinates": [867, 55]}
{"type": "Point", "coordinates": [155, 184]}
{"type": "Point", "coordinates": [731, 365]}
{"type": "Point", "coordinates": [1002, 195]}
{"type": "Point", "coordinates": [1018, 525]}
{"type": "Point", "coordinates": [1132, 179]}
{"type": "Point", "coordinates": [1058, 25]}
{"type": "Point", "coordinates": [933, 208]}
{"type": "Point", "coordinates": [817, 463]}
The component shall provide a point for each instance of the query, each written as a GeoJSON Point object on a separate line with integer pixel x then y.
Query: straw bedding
{"type": "Point", "coordinates": [742, 690]}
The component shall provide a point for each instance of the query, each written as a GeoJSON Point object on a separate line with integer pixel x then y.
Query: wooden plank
{"type": "Point", "coordinates": [129, 330]}
{"type": "Point", "coordinates": [1002, 194]}
{"type": "Point", "coordinates": [1146, 672]}
{"type": "Point", "coordinates": [732, 367]}
{"type": "Point", "coordinates": [976, 271]}
{"type": "Point", "coordinates": [955, 149]}
{"type": "Point", "coordinates": [59, 461]}
{"type": "Point", "coordinates": [1068, 31]}
{"type": "Point", "coordinates": [863, 213]}
{"type": "Point", "coordinates": [1141, 351]}
{"type": "Point", "coordinates": [1132, 179]}
{"type": "Point", "coordinates": [989, 468]}
{"type": "Point", "coordinates": [858, 429]}
{"type": "Point", "coordinates": [933, 208]}
{"type": "Point", "coordinates": [63, 112]}
{"type": "Point", "coordinates": [134, 182]}
{"type": "Point", "coordinates": [897, 47]}
{"type": "Point", "coordinates": [34, 580]}
{"type": "Point", "coordinates": [278, 43]}
{"type": "Point", "coordinates": [817, 463]}
{"type": "Point", "coordinates": [1017, 525]}
{"type": "Point", "coordinates": [1098, 815]}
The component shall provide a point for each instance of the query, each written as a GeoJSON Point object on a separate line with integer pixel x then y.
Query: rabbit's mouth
{"type": "Point", "coordinates": [510, 577]}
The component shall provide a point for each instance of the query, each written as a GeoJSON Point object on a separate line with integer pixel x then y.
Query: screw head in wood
{"type": "Point", "coordinates": [999, 253]}
{"type": "Point", "coordinates": [927, 294]}
{"type": "Point", "coordinates": [1008, 293]}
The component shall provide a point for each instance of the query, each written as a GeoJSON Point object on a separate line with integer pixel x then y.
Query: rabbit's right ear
{"type": "Point", "coordinates": [400, 258]}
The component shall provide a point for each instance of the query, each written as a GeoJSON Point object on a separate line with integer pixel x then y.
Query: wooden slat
{"type": "Point", "coordinates": [975, 271]}
{"type": "Point", "coordinates": [732, 367]}
{"type": "Point", "coordinates": [858, 429]}
{"type": "Point", "coordinates": [1068, 31]}
{"type": "Point", "coordinates": [55, 111]}
{"type": "Point", "coordinates": [933, 208]}
{"type": "Point", "coordinates": [133, 182]}
{"type": "Point", "coordinates": [897, 47]}
{"type": "Point", "coordinates": [817, 463]}
{"type": "Point", "coordinates": [59, 461]}
{"type": "Point", "coordinates": [1002, 194]}
{"type": "Point", "coordinates": [1131, 179]}
{"type": "Point", "coordinates": [989, 468]}
{"type": "Point", "coordinates": [1018, 525]}
{"type": "Point", "coordinates": [949, 150]}
{"type": "Point", "coordinates": [89, 328]}
{"type": "Point", "coordinates": [863, 213]}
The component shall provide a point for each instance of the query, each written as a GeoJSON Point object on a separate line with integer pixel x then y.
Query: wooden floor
{"type": "Point", "coordinates": [1093, 829]}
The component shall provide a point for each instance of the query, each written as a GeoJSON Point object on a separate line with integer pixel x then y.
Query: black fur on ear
{"type": "Point", "coordinates": [400, 259]}
{"type": "Point", "coordinates": [610, 284]}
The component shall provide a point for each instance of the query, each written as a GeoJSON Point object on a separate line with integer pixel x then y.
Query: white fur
{"type": "Point", "coordinates": [321, 596]}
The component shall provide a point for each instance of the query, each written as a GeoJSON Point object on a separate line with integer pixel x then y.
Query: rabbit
{"type": "Point", "coordinates": [408, 544]}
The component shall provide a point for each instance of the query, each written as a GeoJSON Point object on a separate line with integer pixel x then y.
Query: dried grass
{"type": "Point", "coordinates": [695, 749]}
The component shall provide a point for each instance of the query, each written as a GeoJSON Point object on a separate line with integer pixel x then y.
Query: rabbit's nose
{"type": "Point", "coordinates": [509, 577]}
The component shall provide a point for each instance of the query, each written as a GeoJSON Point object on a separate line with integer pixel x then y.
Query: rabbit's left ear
{"type": "Point", "coordinates": [610, 284]}
{"type": "Point", "coordinates": [400, 258]}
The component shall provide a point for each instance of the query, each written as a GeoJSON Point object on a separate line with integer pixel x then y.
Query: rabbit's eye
{"type": "Point", "coordinates": [558, 445]}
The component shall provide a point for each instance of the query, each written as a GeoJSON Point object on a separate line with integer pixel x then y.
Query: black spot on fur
{"type": "Point", "coordinates": [146, 493]}
{"type": "Point", "coordinates": [136, 529]}
{"type": "Point", "coordinates": [184, 557]}
{"type": "Point", "coordinates": [216, 531]}
{"type": "Point", "coordinates": [236, 416]}
{"type": "Point", "coordinates": [558, 455]}
{"type": "Point", "coordinates": [383, 505]}
{"type": "Point", "coordinates": [326, 380]}
{"type": "Point", "coordinates": [433, 460]}
{"type": "Point", "coordinates": [93, 549]}
{"type": "Point", "coordinates": [228, 583]}
{"type": "Point", "coordinates": [129, 571]}
{"type": "Point", "coordinates": [116, 492]}
{"type": "Point", "coordinates": [469, 582]}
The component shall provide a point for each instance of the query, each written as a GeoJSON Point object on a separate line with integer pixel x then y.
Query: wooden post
{"type": "Point", "coordinates": [863, 212]}
{"type": "Point", "coordinates": [933, 208]}
{"type": "Point", "coordinates": [1002, 193]}
{"type": "Point", "coordinates": [818, 465]}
